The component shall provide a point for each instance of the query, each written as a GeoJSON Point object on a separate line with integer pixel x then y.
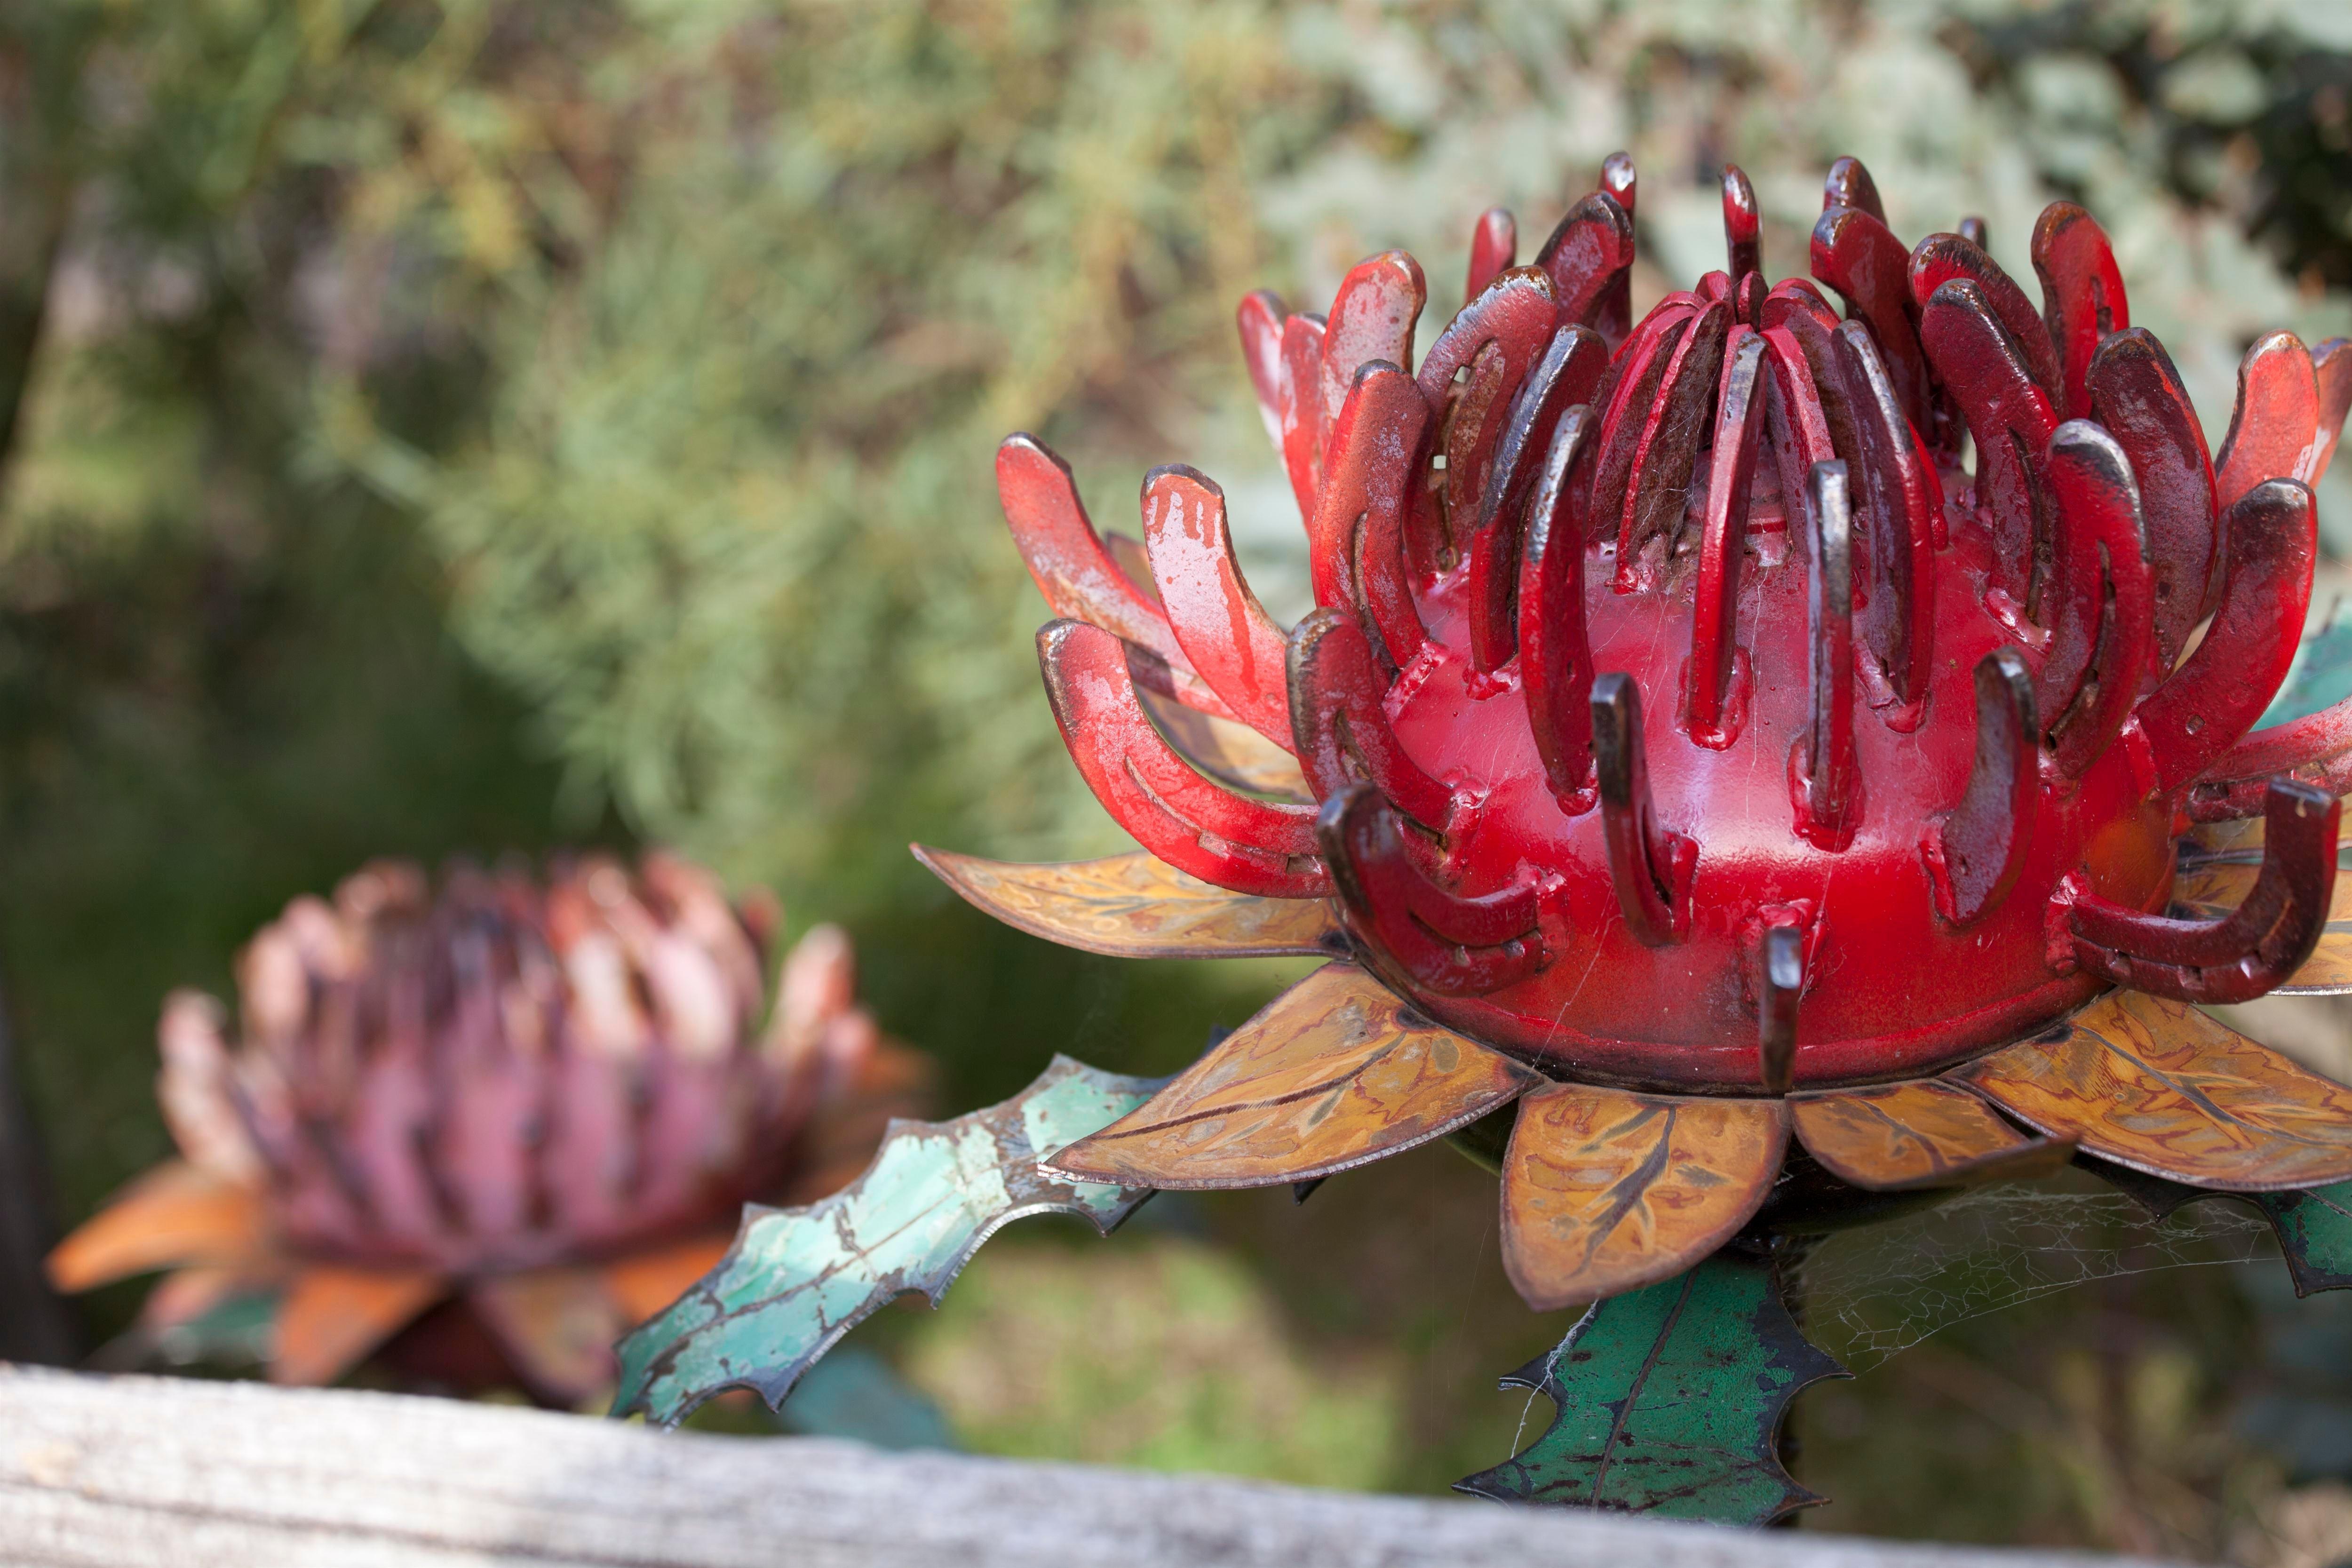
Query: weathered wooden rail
{"type": "Point", "coordinates": [124, 1472]}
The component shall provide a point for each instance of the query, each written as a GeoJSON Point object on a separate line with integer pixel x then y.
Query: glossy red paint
{"type": "Point", "coordinates": [2011, 421]}
{"type": "Point", "coordinates": [1234, 646]}
{"type": "Point", "coordinates": [2136, 397]}
{"type": "Point", "coordinates": [2275, 432]}
{"type": "Point", "coordinates": [1609, 1007]}
{"type": "Point", "coordinates": [1641, 643]}
{"type": "Point", "coordinates": [1588, 255]}
{"type": "Point", "coordinates": [1941, 259]}
{"type": "Point", "coordinates": [2245, 953]}
{"type": "Point", "coordinates": [1494, 248]}
{"type": "Point", "coordinates": [1855, 253]}
{"type": "Point", "coordinates": [2083, 298]}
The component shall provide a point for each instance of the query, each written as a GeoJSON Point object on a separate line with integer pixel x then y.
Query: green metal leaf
{"type": "Point", "coordinates": [1668, 1401]}
{"type": "Point", "coordinates": [2321, 675]}
{"type": "Point", "coordinates": [2315, 1231]}
{"type": "Point", "coordinates": [797, 1280]}
{"type": "Point", "coordinates": [2313, 1224]}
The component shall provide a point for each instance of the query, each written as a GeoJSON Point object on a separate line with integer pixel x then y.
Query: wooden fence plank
{"type": "Point", "coordinates": [124, 1472]}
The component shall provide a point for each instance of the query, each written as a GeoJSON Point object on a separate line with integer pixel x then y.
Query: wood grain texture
{"type": "Point", "coordinates": [1604, 1190]}
{"type": "Point", "coordinates": [1333, 1073]}
{"type": "Point", "coordinates": [2163, 1088]}
{"type": "Point", "coordinates": [2219, 864]}
{"type": "Point", "coordinates": [153, 1473]}
{"type": "Point", "coordinates": [1903, 1137]}
{"type": "Point", "coordinates": [1135, 906]}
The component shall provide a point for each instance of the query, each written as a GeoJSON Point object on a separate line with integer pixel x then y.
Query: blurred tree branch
{"type": "Point", "coordinates": [41, 50]}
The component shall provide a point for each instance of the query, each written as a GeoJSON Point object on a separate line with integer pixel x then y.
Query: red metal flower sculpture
{"type": "Point", "coordinates": [548, 1103]}
{"type": "Point", "coordinates": [1704, 752]}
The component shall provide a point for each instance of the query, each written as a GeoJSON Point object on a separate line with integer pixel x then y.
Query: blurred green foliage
{"type": "Point", "coordinates": [458, 425]}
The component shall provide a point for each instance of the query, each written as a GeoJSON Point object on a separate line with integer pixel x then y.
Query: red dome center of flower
{"type": "Point", "coordinates": [1741, 697]}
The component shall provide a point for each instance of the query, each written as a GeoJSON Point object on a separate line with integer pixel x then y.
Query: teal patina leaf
{"type": "Point", "coordinates": [2315, 1231]}
{"type": "Point", "coordinates": [2313, 1224]}
{"type": "Point", "coordinates": [2321, 674]}
{"type": "Point", "coordinates": [1668, 1401]}
{"type": "Point", "coordinates": [797, 1280]}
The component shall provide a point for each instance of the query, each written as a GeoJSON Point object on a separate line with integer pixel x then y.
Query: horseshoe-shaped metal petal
{"type": "Point", "coordinates": [2245, 952]}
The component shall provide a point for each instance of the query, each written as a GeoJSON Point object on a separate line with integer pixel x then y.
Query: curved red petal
{"type": "Point", "coordinates": [1249, 845]}
{"type": "Point", "coordinates": [2081, 296]}
{"type": "Point", "coordinates": [1233, 643]}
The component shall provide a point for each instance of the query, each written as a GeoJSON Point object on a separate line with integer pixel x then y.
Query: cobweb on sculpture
{"type": "Point", "coordinates": [1869, 1293]}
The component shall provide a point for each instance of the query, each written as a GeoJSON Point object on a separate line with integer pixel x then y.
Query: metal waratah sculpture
{"type": "Point", "coordinates": [488, 1129]}
{"type": "Point", "coordinates": [1712, 795]}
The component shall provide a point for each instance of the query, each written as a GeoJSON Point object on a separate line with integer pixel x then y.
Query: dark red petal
{"type": "Point", "coordinates": [1743, 225]}
{"type": "Point", "coordinates": [1892, 492]}
{"type": "Point", "coordinates": [2219, 691]}
{"type": "Point", "coordinates": [1974, 854]}
{"type": "Point", "coordinates": [1612, 315]}
{"type": "Point", "coordinates": [1074, 570]}
{"type": "Point", "coordinates": [2331, 364]}
{"type": "Point", "coordinates": [1356, 548]}
{"type": "Point", "coordinates": [1631, 395]}
{"type": "Point", "coordinates": [1259, 319]}
{"type": "Point", "coordinates": [1824, 784]}
{"type": "Point", "coordinates": [2081, 296]}
{"type": "Point", "coordinates": [1301, 407]}
{"type": "Point", "coordinates": [1854, 253]}
{"type": "Point", "coordinates": [1555, 654]}
{"type": "Point", "coordinates": [2245, 953]}
{"type": "Point", "coordinates": [1423, 935]}
{"type": "Point", "coordinates": [1941, 258]}
{"type": "Point", "coordinates": [1335, 692]}
{"type": "Point", "coordinates": [2102, 598]}
{"type": "Point", "coordinates": [1494, 247]}
{"type": "Point", "coordinates": [1498, 336]}
{"type": "Point", "coordinates": [1723, 540]}
{"type": "Point", "coordinates": [2011, 421]}
{"type": "Point", "coordinates": [2138, 398]}
{"type": "Point", "coordinates": [1372, 318]}
{"type": "Point", "coordinates": [1850, 185]}
{"type": "Point", "coordinates": [1586, 255]}
{"type": "Point", "coordinates": [1658, 484]}
{"type": "Point", "coordinates": [1567, 374]}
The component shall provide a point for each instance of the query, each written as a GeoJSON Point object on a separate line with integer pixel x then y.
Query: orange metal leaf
{"type": "Point", "coordinates": [173, 1214]}
{"type": "Point", "coordinates": [1135, 906]}
{"type": "Point", "coordinates": [645, 1282]}
{"type": "Point", "coordinates": [1901, 1137]}
{"type": "Point", "coordinates": [1333, 1073]}
{"type": "Point", "coordinates": [331, 1318]}
{"type": "Point", "coordinates": [2218, 868]}
{"type": "Point", "coordinates": [1604, 1190]}
{"type": "Point", "coordinates": [2161, 1088]}
{"type": "Point", "coordinates": [557, 1325]}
